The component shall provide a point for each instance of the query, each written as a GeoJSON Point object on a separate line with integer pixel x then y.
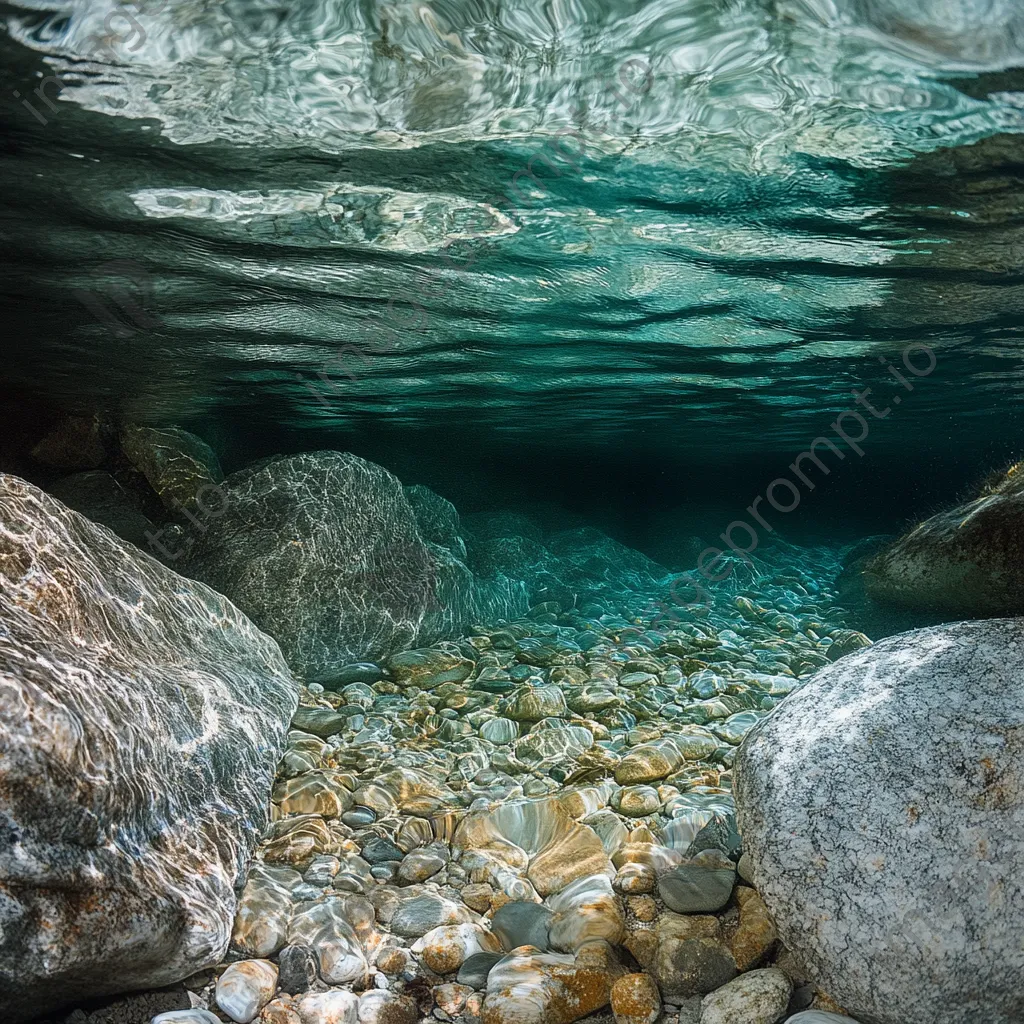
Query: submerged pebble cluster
{"type": "Point", "coordinates": [533, 822]}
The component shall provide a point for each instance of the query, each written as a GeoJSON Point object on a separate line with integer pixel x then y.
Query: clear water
{"type": "Point", "coordinates": [605, 263]}
{"type": "Point", "coordinates": [749, 205]}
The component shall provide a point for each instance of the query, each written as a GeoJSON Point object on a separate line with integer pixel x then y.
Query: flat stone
{"type": "Point", "coordinates": [320, 722]}
{"type": "Point", "coordinates": [355, 672]}
{"type": "Point", "coordinates": [186, 1017]}
{"type": "Point", "coordinates": [701, 885]}
{"type": "Point", "coordinates": [522, 924]}
{"type": "Point", "coordinates": [819, 1017]}
{"type": "Point", "coordinates": [419, 915]}
{"type": "Point", "coordinates": [429, 668]}
{"type": "Point", "coordinates": [476, 968]}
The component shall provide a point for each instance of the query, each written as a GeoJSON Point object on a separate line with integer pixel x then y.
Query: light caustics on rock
{"type": "Point", "coordinates": [142, 719]}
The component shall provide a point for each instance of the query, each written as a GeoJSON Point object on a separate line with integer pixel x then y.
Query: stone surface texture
{"type": "Point", "coordinates": [882, 809]}
{"type": "Point", "coordinates": [966, 561]}
{"type": "Point", "coordinates": [141, 719]}
{"type": "Point", "coordinates": [324, 552]}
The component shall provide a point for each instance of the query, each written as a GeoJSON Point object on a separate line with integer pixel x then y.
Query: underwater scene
{"type": "Point", "coordinates": [510, 512]}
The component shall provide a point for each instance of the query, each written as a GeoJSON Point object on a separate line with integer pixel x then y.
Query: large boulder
{"type": "Point", "coordinates": [882, 809]}
{"type": "Point", "coordinates": [324, 552]}
{"type": "Point", "coordinates": [965, 562]}
{"type": "Point", "coordinates": [74, 442]}
{"type": "Point", "coordinates": [437, 519]}
{"type": "Point", "coordinates": [141, 720]}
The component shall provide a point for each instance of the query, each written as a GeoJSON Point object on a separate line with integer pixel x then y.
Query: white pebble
{"type": "Point", "coordinates": [245, 988]}
{"type": "Point", "coordinates": [334, 1007]}
{"type": "Point", "coordinates": [185, 1017]}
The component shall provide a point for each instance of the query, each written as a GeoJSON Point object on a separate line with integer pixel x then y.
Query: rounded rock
{"type": "Point", "coordinates": [636, 801]}
{"type": "Point", "coordinates": [245, 987]}
{"type": "Point", "coordinates": [881, 808]}
{"type": "Point", "coordinates": [378, 1006]}
{"type": "Point", "coordinates": [758, 997]}
{"type": "Point", "coordinates": [186, 1017]}
{"type": "Point", "coordinates": [635, 999]}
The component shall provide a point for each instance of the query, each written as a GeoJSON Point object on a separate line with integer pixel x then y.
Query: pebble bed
{"type": "Point", "coordinates": [534, 824]}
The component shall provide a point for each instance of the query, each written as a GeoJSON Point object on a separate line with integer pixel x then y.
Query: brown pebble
{"type": "Point", "coordinates": [635, 999]}
{"type": "Point", "coordinates": [644, 908]}
{"type": "Point", "coordinates": [477, 896]}
{"type": "Point", "coordinates": [643, 944]}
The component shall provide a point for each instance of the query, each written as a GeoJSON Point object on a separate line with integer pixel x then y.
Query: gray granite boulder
{"type": "Point", "coordinates": [324, 552]}
{"type": "Point", "coordinates": [141, 720]}
{"type": "Point", "coordinates": [964, 562]}
{"type": "Point", "coordinates": [882, 811]}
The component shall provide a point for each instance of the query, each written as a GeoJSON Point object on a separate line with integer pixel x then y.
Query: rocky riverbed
{"type": "Point", "coordinates": [530, 821]}
{"type": "Point", "coordinates": [532, 824]}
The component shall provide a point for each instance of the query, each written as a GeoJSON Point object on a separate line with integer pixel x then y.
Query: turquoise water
{"type": "Point", "coordinates": [583, 245]}
{"type": "Point", "coordinates": [679, 313]}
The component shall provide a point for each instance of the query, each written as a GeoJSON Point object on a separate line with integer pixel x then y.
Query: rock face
{"type": "Point", "coordinates": [882, 809]}
{"type": "Point", "coordinates": [323, 551]}
{"type": "Point", "coordinates": [141, 718]}
{"type": "Point", "coordinates": [98, 496]}
{"type": "Point", "coordinates": [967, 561]}
{"type": "Point", "coordinates": [75, 442]}
{"type": "Point", "coordinates": [181, 468]}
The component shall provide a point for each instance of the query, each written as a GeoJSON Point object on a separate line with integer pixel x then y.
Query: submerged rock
{"type": "Point", "coordinates": [323, 551]}
{"type": "Point", "coordinates": [98, 496]}
{"type": "Point", "coordinates": [527, 987]}
{"type": "Point", "coordinates": [635, 999]}
{"type": "Point", "coordinates": [181, 468]}
{"type": "Point", "coordinates": [74, 442]}
{"type": "Point", "coordinates": [142, 718]}
{"type": "Point", "coordinates": [437, 519]}
{"type": "Point", "coordinates": [882, 809]}
{"type": "Point", "coordinates": [760, 997]}
{"type": "Point", "coordinates": [244, 988]}
{"type": "Point", "coordinates": [967, 561]}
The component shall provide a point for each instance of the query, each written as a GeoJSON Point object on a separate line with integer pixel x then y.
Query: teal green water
{"type": "Point", "coordinates": [624, 255]}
